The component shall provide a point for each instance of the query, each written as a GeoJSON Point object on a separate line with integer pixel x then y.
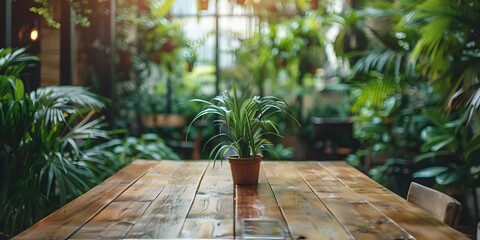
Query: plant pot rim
{"type": "Point", "coordinates": [235, 157]}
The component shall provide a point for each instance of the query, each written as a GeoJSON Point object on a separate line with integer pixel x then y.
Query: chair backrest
{"type": "Point", "coordinates": [441, 206]}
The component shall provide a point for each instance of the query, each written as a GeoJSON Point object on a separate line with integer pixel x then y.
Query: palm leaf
{"type": "Point", "coordinates": [374, 93]}
{"type": "Point", "coordinates": [60, 100]}
{"type": "Point", "coordinates": [12, 61]}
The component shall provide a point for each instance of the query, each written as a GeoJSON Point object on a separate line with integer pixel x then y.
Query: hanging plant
{"type": "Point", "coordinates": [203, 4]}
{"type": "Point", "coordinates": [46, 10]}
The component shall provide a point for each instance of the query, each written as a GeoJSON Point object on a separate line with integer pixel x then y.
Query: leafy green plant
{"type": "Point", "coordinates": [351, 38]}
{"type": "Point", "coordinates": [452, 152]}
{"type": "Point", "coordinates": [450, 139]}
{"type": "Point", "coordinates": [42, 153]}
{"type": "Point", "coordinates": [247, 122]}
{"type": "Point", "coordinates": [80, 7]}
{"type": "Point", "coordinates": [117, 153]}
{"type": "Point", "coordinates": [447, 49]}
{"type": "Point", "coordinates": [42, 135]}
{"type": "Point", "coordinates": [12, 63]}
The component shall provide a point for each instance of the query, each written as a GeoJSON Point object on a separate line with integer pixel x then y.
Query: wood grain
{"type": "Point", "coordinates": [360, 218]}
{"type": "Point", "coordinates": [190, 199]}
{"type": "Point", "coordinates": [414, 220]}
{"type": "Point", "coordinates": [165, 216]}
{"type": "Point", "coordinates": [49, 55]}
{"type": "Point", "coordinates": [211, 215]}
{"type": "Point", "coordinates": [439, 205]}
{"type": "Point", "coordinates": [257, 202]}
{"type": "Point", "coordinates": [65, 221]}
{"type": "Point", "coordinates": [306, 216]}
{"type": "Point", "coordinates": [119, 217]}
{"type": "Point", "coordinates": [113, 222]}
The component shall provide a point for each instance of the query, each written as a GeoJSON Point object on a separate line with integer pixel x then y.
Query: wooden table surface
{"type": "Point", "coordinates": [190, 199]}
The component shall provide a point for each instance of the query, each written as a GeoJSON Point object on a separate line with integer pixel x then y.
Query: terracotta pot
{"type": "Point", "coordinates": [203, 4]}
{"type": "Point", "coordinates": [245, 171]}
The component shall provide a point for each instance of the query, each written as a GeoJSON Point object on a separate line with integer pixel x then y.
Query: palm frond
{"type": "Point", "coordinates": [385, 61]}
{"type": "Point", "coordinates": [469, 97]}
{"type": "Point", "coordinates": [12, 61]}
{"type": "Point", "coordinates": [374, 93]}
{"type": "Point", "coordinates": [56, 101]}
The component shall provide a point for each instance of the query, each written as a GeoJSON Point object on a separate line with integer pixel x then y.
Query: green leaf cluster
{"type": "Point", "coordinates": [119, 152]}
{"type": "Point", "coordinates": [42, 134]}
{"type": "Point", "coordinates": [245, 122]}
{"type": "Point", "coordinates": [447, 50]}
{"type": "Point", "coordinates": [449, 142]}
{"type": "Point", "coordinates": [80, 7]}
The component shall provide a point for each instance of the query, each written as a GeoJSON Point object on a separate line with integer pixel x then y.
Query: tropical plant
{"type": "Point", "coordinates": [453, 155]}
{"type": "Point", "coordinates": [388, 93]}
{"type": "Point", "coordinates": [433, 44]}
{"type": "Point", "coordinates": [447, 51]}
{"type": "Point", "coordinates": [13, 61]}
{"type": "Point", "coordinates": [246, 121]}
{"type": "Point", "coordinates": [41, 146]}
{"type": "Point", "coordinates": [42, 135]}
{"type": "Point", "coordinates": [351, 38]}
{"type": "Point", "coordinates": [449, 138]}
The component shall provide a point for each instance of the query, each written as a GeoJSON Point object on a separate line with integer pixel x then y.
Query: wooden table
{"type": "Point", "coordinates": [190, 199]}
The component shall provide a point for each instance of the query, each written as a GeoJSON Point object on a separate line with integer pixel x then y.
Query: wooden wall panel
{"type": "Point", "coordinates": [49, 55]}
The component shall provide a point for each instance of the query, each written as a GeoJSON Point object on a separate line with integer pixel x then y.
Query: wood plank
{"type": "Point", "coordinates": [306, 216]}
{"type": "Point", "coordinates": [118, 218]}
{"type": "Point", "coordinates": [414, 220]}
{"type": "Point", "coordinates": [49, 55]}
{"type": "Point", "coordinates": [113, 222]}
{"type": "Point", "coordinates": [165, 216]}
{"type": "Point", "coordinates": [360, 218]}
{"type": "Point", "coordinates": [257, 202]}
{"type": "Point", "coordinates": [207, 228]}
{"type": "Point", "coordinates": [65, 221]}
{"type": "Point", "coordinates": [211, 214]}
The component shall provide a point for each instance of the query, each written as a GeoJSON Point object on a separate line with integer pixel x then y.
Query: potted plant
{"type": "Point", "coordinates": [246, 125]}
{"type": "Point", "coordinates": [203, 4]}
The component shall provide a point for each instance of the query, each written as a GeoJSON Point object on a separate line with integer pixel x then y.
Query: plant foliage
{"type": "Point", "coordinates": [42, 161]}
{"type": "Point", "coordinates": [455, 152]}
{"type": "Point", "coordinates": [247, 122]}
{"type": "Point", "coordinates": [80, 8]}
{"type": "Point", "coordinates": [447, 51]}
{"type": "Point", "coordinates": [51, 148]}
{"type": "Point", "coordinates": [44, 165]}
{"type": "Point", "coordinates": [118, 153]}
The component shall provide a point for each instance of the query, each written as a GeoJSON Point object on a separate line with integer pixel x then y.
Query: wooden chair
{"type": "Point", "coordinates": [439, 205]}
